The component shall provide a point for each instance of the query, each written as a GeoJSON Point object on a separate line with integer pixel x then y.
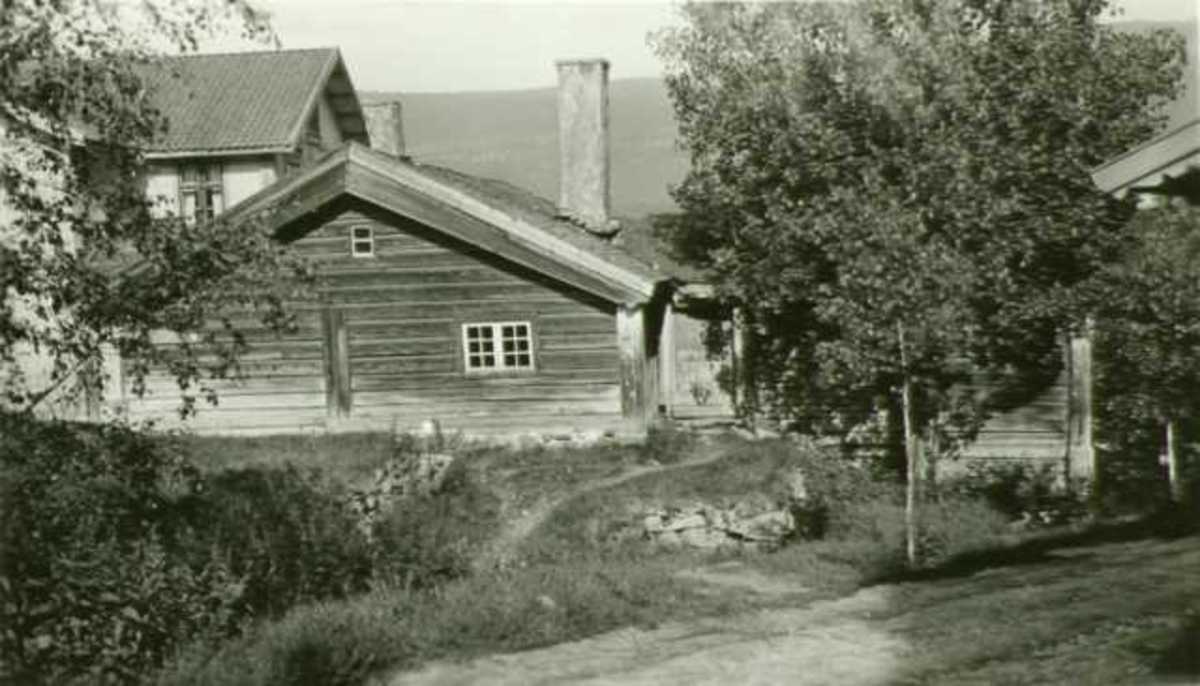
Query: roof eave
{"type": "Point", "coordinates": [153, 155]}
{"type": "Point", "coordinates": [1152, 163]}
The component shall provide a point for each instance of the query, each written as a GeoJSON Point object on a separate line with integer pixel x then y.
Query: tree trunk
{"type": "Point", "coordinates": [1173, 471]}
{"type": "Point", "coordinates": [911, 456]}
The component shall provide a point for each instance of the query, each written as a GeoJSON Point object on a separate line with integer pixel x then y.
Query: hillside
{"type": "Point", "coordinates": [512, 135]}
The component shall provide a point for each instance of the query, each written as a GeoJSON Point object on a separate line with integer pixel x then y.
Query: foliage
{"type": "Point", "coordinates": [285, 533]}
{"type": "Point", "coordinates": [879, 175]}
{"type": "Point", "coordinates": [88, 582]}
{"type": "Point", "coordinates": [393, 628]}
{"type": "Point", "coordinates": [74, 121]}
{"type": "Point", "coordinates": [667, 443]}
{"type": "Point", "coordinates": [428, 539]}
{"type": "Point", "coordinates": [115, 550]}
{"type": "Point", "coordinates": [346, 457]}
{"type": "Point", "coordinates": [1147, 337]}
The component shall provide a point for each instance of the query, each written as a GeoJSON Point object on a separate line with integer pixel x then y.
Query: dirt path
{"type": "Point", "coordinates": [1125, 612]}
{"type": "Point", "coordinates": [829, 642]}
{"type": "Point", "coordinates": [505, 545]}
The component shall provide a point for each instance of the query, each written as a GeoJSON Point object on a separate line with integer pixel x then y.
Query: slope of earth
{"type": "Point", "coordinates": [1075, 612]}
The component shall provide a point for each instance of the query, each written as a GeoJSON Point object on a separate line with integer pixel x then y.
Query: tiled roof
{"type": "Point", "coordinates": [538, 211]}
{"type": "Point", "coordinates": [237, 101]}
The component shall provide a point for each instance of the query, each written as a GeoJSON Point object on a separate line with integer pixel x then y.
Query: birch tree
{"type": "Point", "coordinates": [74, 121]}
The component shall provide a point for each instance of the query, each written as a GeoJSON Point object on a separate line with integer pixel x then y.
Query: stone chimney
{"type": "Point", "coordinates": [583, 193]}
{"type": "Point", "coordinates": [385, 127]}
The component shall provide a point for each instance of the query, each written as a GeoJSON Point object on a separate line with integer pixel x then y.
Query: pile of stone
{"type": "Point", "coordinates": [404, 476]}
{"type": "Point", "coordinates": [755, 523]}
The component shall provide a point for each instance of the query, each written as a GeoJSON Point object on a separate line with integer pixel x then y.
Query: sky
{"type": "Point", "coordinates": [442, 46]}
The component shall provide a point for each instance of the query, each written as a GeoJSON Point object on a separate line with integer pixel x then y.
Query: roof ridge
{"type": "Point", "coordinates": [243, 53]}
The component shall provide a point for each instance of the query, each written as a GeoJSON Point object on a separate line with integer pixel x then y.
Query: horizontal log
{"type": "Point", "coordinates": [487, 394]}
{"type": "Point", "coordinates": [457, 382]}
{"type": "Point", "coordinates": [220, 419]}
{"type": "Point", "coordinates": [566, 340]}
{"type": "Point", "coordinates": [253, 402]}
{"type": "Point", "coordinates": [363, 347]}
{"type": "Point", "coordinates": [158, 384]}
{"type": "Point", "coordinates": [490, 413]}
{"type": "Point", "coordinates": [398, 365]}
{"type": "Point", "coordinates": [386, 274]}
{"type": "Point", "coordinates": [465, 311]}
{"type": "Point", "coordinates": [423, 293]}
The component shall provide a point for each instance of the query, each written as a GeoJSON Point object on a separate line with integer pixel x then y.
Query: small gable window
{"type": "Point", "coordinates": [201, 194]}
{"type": "Point", "coordinates": [362, 241]}
{"type": "Point", "coordinates": [497, 347]}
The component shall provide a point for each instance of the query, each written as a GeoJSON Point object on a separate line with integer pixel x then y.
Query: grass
{"type": "Point", "coordinates": [573, 577]}
{"type": "Point", "coordinates": [349, 458]}
{"type": "Point", "coordinates": [1105, 605]}
{"type": "Point", "coordinates": [393, 629]}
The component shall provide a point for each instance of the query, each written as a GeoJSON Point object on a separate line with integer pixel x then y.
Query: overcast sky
{"type": "Point", "coordinates": [457, 46]}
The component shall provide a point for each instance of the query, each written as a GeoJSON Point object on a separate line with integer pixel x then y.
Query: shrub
{"type": "Point", "coordinates": [667, 444]}
{"type": "Point", "coordinates": [431, 538]}
{"type": "Point", "coordinates": [285, 532]}
{"type": "Point", "coordinates": [88, 584]}
{"type": "Point", "coordinates": [114, 551]}
{"type": "Point", "coordinates": [1031, 492]}
{"type": "Point", "coordinates": [348, 642]}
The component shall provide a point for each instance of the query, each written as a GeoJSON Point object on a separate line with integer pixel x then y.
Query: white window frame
{"type": "Point", "coordinates": [205, 183]}
{"type": "Point", "coordinates": [500, 366]}
{"type": "Point", "coordinates": [369, 241]}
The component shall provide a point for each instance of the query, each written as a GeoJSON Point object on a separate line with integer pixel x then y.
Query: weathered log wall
{"type": "Point", "coordinates": [382, 345]}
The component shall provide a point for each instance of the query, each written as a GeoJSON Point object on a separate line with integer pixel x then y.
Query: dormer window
{"type": "Point", "coordinates": [201, 195]}
{"type": "Point", "coordinates": [362, 241]}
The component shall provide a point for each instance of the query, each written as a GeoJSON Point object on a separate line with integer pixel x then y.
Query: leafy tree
{"type": "Point", "coordinates": [894, 194]}
{"type": "Point", "coordinates": [1148, 338]}
{"type": "Point", "coordinates": [74, 120]}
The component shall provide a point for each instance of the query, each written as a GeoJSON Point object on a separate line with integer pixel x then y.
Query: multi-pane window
{"type": "Point", "coordinates": [201, 196]}
{"type": "Point", "coordinates": [497, 347]}
{"type": "Point", "coordinates": [362, 241]}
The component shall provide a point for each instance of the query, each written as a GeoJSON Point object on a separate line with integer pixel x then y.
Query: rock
{"type": "Point", "coordinates": [772, 526]}
{"type": "Point", "coordinates": [687, 521]}
{"type": "Point", "coordinates": [704, 538]}
{"type": "Point", "coordinates": [652, 524]}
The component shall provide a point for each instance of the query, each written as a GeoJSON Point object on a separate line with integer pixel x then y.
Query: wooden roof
{"type": "Point", "coordinates": [1152, 165]}
{"type": "Point", "coordinates": [250, 102]}
{"type": "Point", "coordinates": [492, 215]}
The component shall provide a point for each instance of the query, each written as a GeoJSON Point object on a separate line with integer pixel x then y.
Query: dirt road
{"type": "Point", "coordinates": [1121, 612]}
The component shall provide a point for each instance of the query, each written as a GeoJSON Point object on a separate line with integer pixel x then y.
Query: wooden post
{"type": "Point", "coordinates": [337, 362]}
{"type": "Point", "coordinates": [1081, 454]}
{"type": "Point", "coordinates": [1174, 475]}
{"type": "Point", "coordinates": [631, 350]}
{"type": "Point", "coordinates": [737, 353]}
{"type": "Point", "coordinates": [666, 356]}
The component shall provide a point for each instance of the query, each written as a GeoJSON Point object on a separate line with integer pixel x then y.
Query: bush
{"type": "Point", "coordinates": [431, 538]}
{"type": "Point", "coordinates": [115, 551]}
{"type": "Point", "coordinates": [88, 585]}
{"type": "Point", "coordinates": [1031, 492]}
{"type": "Point", "coordinates": [287, 533]}
{"type": "Point", "coordinates": [348, 642]}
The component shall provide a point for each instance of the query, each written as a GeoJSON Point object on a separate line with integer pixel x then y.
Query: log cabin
{"type": "Point", "coordinates": [440, 296]}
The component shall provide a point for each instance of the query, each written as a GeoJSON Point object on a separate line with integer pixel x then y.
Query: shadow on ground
{"type": "Point", "coordinates": [1166, 525]}
{"type": "Point", "coordinates": [1182, 658]}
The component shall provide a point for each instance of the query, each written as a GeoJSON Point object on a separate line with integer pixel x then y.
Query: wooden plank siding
{"type": "Point", "coordinates": [382, 345]}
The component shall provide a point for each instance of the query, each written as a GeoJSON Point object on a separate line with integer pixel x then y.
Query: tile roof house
{"type": "Point", "coordinates": [238, 122]}
{"type": "Point", "coordinates": [441, 296]}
